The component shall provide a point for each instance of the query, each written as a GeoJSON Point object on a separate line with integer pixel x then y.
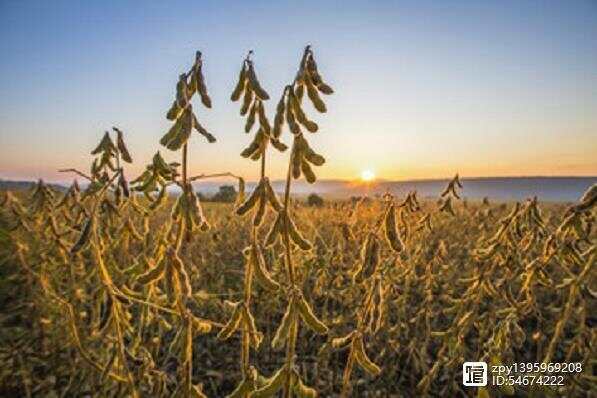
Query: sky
{"type": "Point", "coordinates": [423, 89]}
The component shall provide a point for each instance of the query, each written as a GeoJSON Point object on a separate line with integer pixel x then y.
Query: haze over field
{"type": "Point", "coordinates": [551, 189]}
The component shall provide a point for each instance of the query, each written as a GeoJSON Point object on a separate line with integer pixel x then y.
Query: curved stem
{"type": "Point", "coordinates": [204, 176]}
{"type": "Point", "coordinates": [80, 173]}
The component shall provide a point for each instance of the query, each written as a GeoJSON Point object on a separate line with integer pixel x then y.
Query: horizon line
{"type": "Point", "coordinates": [355, 180]}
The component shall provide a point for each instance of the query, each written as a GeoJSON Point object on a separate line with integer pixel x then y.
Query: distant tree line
{"type": "Point", "coordinates": [225, 194]}
{"type": "Point", "coordinates": [228, 194]}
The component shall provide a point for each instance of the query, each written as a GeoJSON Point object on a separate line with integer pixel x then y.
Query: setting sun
{"type": "Point", "coordinates": [367, 175]}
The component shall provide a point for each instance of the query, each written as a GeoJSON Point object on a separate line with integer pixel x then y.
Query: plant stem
{"type": "Point", "coordinates": [80, 173]}
{"type": "Point", "coordinates": [291, 342]}
{"type": "Point", "coordinates": [184, 165]}
{"type": "Point", "coordinates": [286, 235]}
{"type": "Point", "coordinates": [248, 285]}
{"type": "Point", "coordinates": [203, 176]}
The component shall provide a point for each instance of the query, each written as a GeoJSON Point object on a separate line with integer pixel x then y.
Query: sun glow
{"type": "Point", "coordinates": [367, 175]}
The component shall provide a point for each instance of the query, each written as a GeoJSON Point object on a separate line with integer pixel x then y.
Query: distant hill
{"type": "Point", "coordinates": [557, 189]}
{"type": "Point", "coordinates": [8, 185]}
{"type": "Point", "coordinates": [554, 189]}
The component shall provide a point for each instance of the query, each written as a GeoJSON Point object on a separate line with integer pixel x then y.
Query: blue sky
{"type": "Point", "coordinates": [423, 89]}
